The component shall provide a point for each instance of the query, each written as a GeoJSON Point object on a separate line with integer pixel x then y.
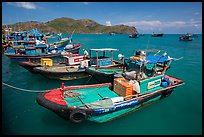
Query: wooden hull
{"type": "Point", "coordinates": [63, 74]}
{"type": "Point", "coordinates": [30, 57]}
{"type": "Point", "coordinates": [29, 65]}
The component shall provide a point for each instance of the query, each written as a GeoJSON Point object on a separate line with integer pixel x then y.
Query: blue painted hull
{"type": "Point", "coordinates": [18, 58]}
{"type": "Point", "coordinates": [122, 105]}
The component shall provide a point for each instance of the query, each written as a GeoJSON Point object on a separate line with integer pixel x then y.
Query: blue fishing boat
{"type": "Point", "coordinates": [29, 51]}
{"type": "Point", "coordinates": [105, 102]}
{"type": "Point", "coordinates": [32, 45]}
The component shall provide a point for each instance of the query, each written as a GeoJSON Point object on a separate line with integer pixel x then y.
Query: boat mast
{"type": "Point", "coordinates": [111, 56]}
{"type": "Point", "coordinates": [96, 59]}
{"type": "Point", "coordinates": [90, 53]}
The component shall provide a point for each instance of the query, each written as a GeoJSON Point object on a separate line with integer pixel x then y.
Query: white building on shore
{"type": "Point", "coordinates": [108, 23]}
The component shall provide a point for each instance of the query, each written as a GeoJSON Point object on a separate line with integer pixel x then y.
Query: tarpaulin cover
{"type": "Point", "coordinates": [155, 59]}
{"type": "Point", "coordinates": [152, 59]}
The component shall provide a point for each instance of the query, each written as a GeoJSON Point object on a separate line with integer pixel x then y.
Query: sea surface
{"type": "Point", "coordinates": [178, 114]}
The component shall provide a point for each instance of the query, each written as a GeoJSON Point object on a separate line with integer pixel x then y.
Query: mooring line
{"type": "Point", "coordinates": [89, 79]}
{"type": "Point", "coordinates": [24, 89]}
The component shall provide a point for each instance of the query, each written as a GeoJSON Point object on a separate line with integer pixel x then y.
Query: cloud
{"type": "Point", "coordinates": [159, 25]}
{"type": "Point", "coordinates": [195, 23]}
{"type": "Point", "coordinates": [146, 23]}
{"type": "Point", "coordinates": [177, 24]}
{"type": "Point", "coordinates": [26, 5]}
{"type": "Point", "coordinates": [196, 13]}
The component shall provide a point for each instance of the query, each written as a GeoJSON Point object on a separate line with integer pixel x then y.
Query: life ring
{"type": "Point", "coordinates": [77, 116]}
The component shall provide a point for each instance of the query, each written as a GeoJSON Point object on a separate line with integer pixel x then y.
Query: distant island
{"type": "Point", "coordinates": [68, 25]}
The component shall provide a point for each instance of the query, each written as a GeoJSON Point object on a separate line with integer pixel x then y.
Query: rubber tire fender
{"type": "Point", "coordinates": [77, 116]}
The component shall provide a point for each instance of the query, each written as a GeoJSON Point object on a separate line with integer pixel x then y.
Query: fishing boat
{"type": "Point", "coordinates": [72, 68]}
{"type": "Point", "coordinates": [64, 44]}
{"type": "Point", "coordinates": [112, 33]}
{"type": "Point", "coordinates": [27, 45]}
{"type": "Point", "coordinates": [57, 60]}
{"type": "Point", "coordinates": [30, 45]}
{"type": "Point", "coordinates": [35, 52]}
{"type": "Point", "coordinates": [105, 102]}
{"type": "Point", "coordinates": [157, 35]}
{"type": "Point", "coordinates": [186, 37]}
{"type": "Point", "coordinates": [18, 39]}
{"type": "Point", "coordinates": [135, 35]}
{"type": "Point", "coordinates": [30, 64]}
{"type": "Point", "coordinates": [73, 48]}
{"type": "Point", "coordinates": [103, 67]}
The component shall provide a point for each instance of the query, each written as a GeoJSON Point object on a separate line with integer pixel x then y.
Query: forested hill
{"type": "Point", "coordinates": [68, 25]}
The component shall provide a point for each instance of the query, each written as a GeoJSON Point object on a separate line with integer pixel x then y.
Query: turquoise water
{"type": "Point", "coordinates": [179, 114]}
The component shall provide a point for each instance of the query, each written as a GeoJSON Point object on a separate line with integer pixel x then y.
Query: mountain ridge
{"type": "Point", "coordinates": [68, 25]}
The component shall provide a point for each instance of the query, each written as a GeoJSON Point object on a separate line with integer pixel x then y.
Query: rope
{"type": "Point", "coordinates": [89, 79]}
{"type": "Point", "coordinates": [24, 89]}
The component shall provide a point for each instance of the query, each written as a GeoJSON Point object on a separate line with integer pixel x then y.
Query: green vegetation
{"type": "Point", "coordinates": [68, 25]}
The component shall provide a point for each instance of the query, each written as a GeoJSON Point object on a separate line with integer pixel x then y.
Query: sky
{"type": "Point", "coordinates": [147, 17]}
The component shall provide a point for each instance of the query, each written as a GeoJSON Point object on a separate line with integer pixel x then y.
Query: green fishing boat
{"type": "Point", "coordinates": [143, 85]}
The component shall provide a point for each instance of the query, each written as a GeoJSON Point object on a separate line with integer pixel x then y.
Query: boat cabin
{"type": "Point", "coordinates": [142, 66]}
{"type": "Point", "coordinates": [73, 59]}
{"type": "Point", "coordinates": [145, 73]}
{"type": "Point", "coordinates": [101, 57]}
{"type": "Point", "coordinates": [28, 48]}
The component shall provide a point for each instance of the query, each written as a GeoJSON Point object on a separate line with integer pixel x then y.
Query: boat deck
{"type": "Point", "coordinates": [88, 95]}
{"type": "Point", "coordinates": [60, 68]}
